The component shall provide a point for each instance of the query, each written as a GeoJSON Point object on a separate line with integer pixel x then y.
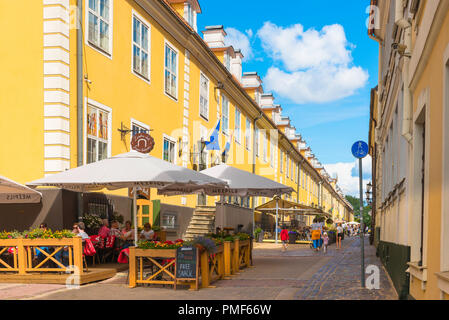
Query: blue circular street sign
{"type": "Point", "coordinates": [360, 149]}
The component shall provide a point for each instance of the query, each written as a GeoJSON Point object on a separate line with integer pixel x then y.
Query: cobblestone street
{"type": "Point", "coordinates": [298, 274]}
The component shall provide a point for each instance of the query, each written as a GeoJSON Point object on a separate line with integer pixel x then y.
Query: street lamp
{"type": "Point", "coordinates": [368, 193]}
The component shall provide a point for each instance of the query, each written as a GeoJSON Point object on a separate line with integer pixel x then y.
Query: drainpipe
{"type": "Point", "coordinates": [79, 98]}
{"type": "Point", "coordinates": [254, 161]}
{"type": "Point", "coordinates": [405, 25]}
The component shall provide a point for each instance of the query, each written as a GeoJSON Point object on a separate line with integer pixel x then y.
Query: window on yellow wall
{"type": "Point", "coordinates": [225, 115]}
{"type": "Point", "coordinates": [248, 135]}
{"type": "Point", "coordinates": [97, 134]}
{"type": "Point", "coordinates": [204, 96]}
{"type": "Point", "coordinates": [282, 162]}
{"type": "Point", "coordinates": [171, 71]}
{"type": "Point", "coordinates": [265, 146]}
{"type": "Point", "coordinates": [256, 142]}
{"type": "Point", "coordinates": [291, 169]}
{"type": "Point", "coordinates": [271, 153]}
{"type": "Point", "coordinates": [287, 166]}
{"type": "Point", "coordinates": [99, 24]}
{"type": "Point", "coordinates": [141, 48]}
{"type": "Point", "coordinates": [238, 125]}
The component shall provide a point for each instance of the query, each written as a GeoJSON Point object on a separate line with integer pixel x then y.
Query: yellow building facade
{"type": "Point", "coordinates": [83, 76]}
{"type": "Point", "coordinates": [409, 143]}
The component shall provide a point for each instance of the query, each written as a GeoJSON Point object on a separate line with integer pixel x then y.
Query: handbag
{"type": "Point", "coordinates": [89, 249]}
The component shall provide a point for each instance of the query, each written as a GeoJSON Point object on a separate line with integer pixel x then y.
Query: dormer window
{"type": "Point", "coordinates": [190, 15]}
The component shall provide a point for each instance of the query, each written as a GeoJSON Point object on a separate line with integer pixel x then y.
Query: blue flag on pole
{"type": "Point", "coordinates": [213, 143]}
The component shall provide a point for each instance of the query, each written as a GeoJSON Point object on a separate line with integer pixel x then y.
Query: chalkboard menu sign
{"type": "Point", "coordinates": [187, 263]}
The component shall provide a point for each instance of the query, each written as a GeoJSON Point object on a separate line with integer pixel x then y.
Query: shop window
{"type": "Point", "coordinates": [97, 134]}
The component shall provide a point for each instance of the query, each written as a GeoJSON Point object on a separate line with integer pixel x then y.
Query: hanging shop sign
{"type": "Point", "coordinates": [142, 142]}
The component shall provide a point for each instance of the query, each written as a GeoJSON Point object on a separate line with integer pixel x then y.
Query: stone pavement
{"type": "Point", "coordinates": [298, 274]}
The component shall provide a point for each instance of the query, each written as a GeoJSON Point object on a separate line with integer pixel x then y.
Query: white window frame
{"type": "Point", "coordinates": [281, 167]}
{"type": "Point", "coordinates": [175, 149]}
{"type": "Point", "coordinates": [271, 153]}
{"type": "Point", "coordinates": [265, 146]}
{"type": "Point", "coordinates": [205, 117]}
{"type": "Point", "coordinates": [172, 47]}
{"type": "Point", "coordinates": [224, 130]}
{"type": "Point", "coordinates": [94, 46]}
{"type": "Point", "coordinates": [144, 22]}
{"type": "Point", "coordinates": [98, 105]}
{"type": "Point", "coordinates": [248, 134]}
{"type": "Point", "coordinates": [257, 140]}
{"type": "Point", "coordinates": [238, 129]}
{"type": "Point", "coordinates": [287, 166]}
{"type": "Point", "coordinates": [139, 124]}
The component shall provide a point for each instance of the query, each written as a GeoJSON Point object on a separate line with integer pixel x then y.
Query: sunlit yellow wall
{"type": "Point", "coordinates": [21, 90]}
{"type": "Point", "coordinates": [112, 83]}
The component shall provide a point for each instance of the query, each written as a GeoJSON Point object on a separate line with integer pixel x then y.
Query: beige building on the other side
{"type": "Point", "coordinates": [409, 140]}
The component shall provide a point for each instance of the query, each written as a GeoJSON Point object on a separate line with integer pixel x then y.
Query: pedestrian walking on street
{"type": "Point", "coordinates": [339, 235]}
{"type": "Point", "coordinates": [325, 241]}
{"type": "Point", "coordinates": [316, 234]}
{"type": "Point", "coordinates": [284, 238]}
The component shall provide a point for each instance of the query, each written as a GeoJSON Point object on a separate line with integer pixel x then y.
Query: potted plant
{"type": "Point", "coordinates": [203, 244]}
{"type": "Point", "coordinates": [258, 234]}
{"type": "Point", "coordinates": [92, 223]}
{"type": "Point", "coordinates": [292, 235]}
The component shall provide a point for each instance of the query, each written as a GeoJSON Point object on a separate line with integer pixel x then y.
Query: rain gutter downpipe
{"type": "Point", "coordinates": [405, 25]}
{"type": "Point", "coordinates": [79, 93]}
{"type": "Point", "coordinates": [254, 163]}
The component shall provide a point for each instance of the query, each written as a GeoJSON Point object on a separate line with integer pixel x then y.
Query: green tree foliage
{"type": "Point", "coordinates": [355, 202]}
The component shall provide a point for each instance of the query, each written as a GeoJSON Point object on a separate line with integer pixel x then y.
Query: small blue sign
{"type": "Point", "coordinates": [360, 149]}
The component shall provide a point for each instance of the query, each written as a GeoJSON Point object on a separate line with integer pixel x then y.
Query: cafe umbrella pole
{"type": "Point", "coordinates": [135, 215]}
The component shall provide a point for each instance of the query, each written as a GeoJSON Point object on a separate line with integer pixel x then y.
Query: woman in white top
{"type": "Point", "coordinates": [339, 235]}
{"type": "Point", "coordinates": [147, 233]}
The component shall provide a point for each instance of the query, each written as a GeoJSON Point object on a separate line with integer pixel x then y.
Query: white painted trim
{"type": "Point", "coordinates": [148, 25]}
{"type": "Point", "coordinates": [56, 68]}
{"type": "Point", "coordinates": [57, 83]}
{"type": "Point", "coordinates": [56, 165]}
{"type": "Point", "coordinates": [56, 54]}
{"type": "Point", "coordinates": [57, 12]}
{"type": "Point", "coordinates": [56, 40]}
{"type": "Point", "coordinates": [111, 30]}
{"type": "Point", "coordinates": [56, 26]}
{"type": "Point", "coordinates": [64, 3]}
{"type": "Point", "coordinates": [169, 44]}
{"type": "Point", "coordinates": [56, 124]}
{"type": "Point", "coordinates": [444, 264]}
{"type": "Point", "coordinates": [56, 138]}
{"type": "Point", "coordinates": [88, 101]}
{"type": "Point", "coordinates": [56, 110]}
{"type": "Point", "coordinates": [57, 152]}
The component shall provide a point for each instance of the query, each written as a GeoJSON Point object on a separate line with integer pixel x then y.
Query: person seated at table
{"type": "Point", "coordinates": [104, 230]}
{"type": "Point", "coordinates": [147, 233]}
{"type": "Point", "coordinates": [39, 256]}
{"type": "Point", "coordinates": [78, 229]}
{"type": "Point", "coordinates": [127, 235]}
{"type": "Point", "coordinates": [115, 230]}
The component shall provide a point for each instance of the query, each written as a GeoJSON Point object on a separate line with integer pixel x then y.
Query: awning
{"type": "Point", "coordinates": [13, 192]}
{"type": "Point", "coordinates": [287, 207]}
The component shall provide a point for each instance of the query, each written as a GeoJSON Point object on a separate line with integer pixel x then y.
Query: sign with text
{"type": "Point", "coordinates": [187, 264]}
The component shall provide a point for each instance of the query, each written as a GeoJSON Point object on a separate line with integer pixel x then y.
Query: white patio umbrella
{"type": "Point", "coordinates": [13, 192]}
{"type": "Point", "coordinates": [130, 170]}
{"type": "Point", "coordinates": [241, 183]}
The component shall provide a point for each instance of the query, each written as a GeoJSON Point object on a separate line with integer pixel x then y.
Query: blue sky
{"type": "Point", "coordinates": [330, 114]}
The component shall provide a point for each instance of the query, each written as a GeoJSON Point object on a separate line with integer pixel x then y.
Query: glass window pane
{"type": "Point", "coordinates": [144, 38]}
{"type": "Point", "coordinates": [136, 64]}
{"type": "Point", "coordinates": [104, 9]}
{"type": "Point", "coordinates": [92, 121]}
{"type": "Point", "coordinates": [144, 64]}
{"type": "Point", "coordinates": [173, 85]}
{"type": "Point", "coordinates": [91, 150]}
{"type": "Point", "coordinates": [136, 30]}
{"type": "Point", "coordinates": [104, 35]}
{"type": "Point", "coordinates": [102, 150]}
{"type": "Point", "coordinates": [93, 5]}
{"type": "Point", "coordinates": [93, 28]}
{"type": "Point", "coordinates": [167, 57]}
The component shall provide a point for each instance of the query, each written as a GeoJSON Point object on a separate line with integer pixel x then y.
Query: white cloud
{"type": "Point", "coordinates": [240, 40]}
{"type": "Point", "coordinates": [318, 64]}
{"type": "Point", "coordinates": [347, 180]}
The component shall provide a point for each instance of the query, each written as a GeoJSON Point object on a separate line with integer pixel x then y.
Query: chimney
{"type": "Point", "coordinates": [251, 80]}
{"type": "Point", "coordinates": [267, 100]}
{"type": "Point", "coordinates": [236, 65]}
{"type": "Point", "coordinates": [214, 36]}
